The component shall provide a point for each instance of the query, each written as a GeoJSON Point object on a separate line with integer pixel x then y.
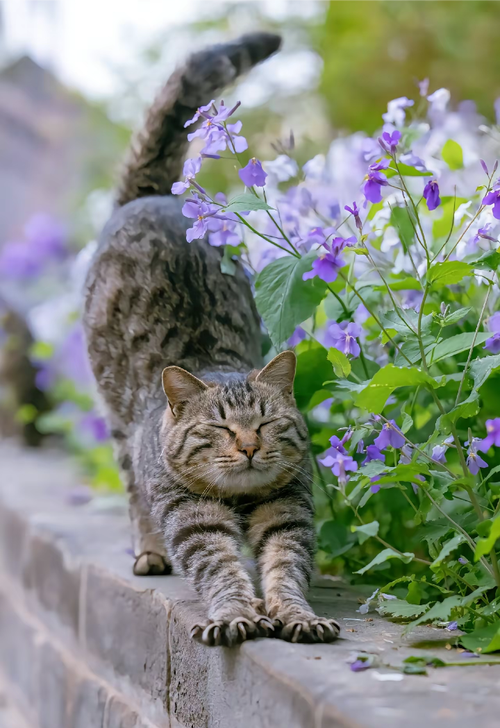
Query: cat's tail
{"type": "Point", "coordinates": [157, 154]}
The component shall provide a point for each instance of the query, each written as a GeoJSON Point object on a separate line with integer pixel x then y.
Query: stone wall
{"type": "Point", "coordinates": [85, 644]}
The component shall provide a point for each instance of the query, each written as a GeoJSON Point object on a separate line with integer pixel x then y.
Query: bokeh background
{"type": "Point", "coordinates": [75, 78]}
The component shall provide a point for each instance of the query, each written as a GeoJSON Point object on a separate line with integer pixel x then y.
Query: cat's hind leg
{"type": "Point", "coordinates": [151, 558]}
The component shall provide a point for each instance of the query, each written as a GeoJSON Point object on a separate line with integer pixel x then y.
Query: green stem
{"type": "Point", "coordinates": [377, 320]}
{"type": "Point", "coordinates": [472, 345]}
{"type": "Point", "coordinates": [264, 237]}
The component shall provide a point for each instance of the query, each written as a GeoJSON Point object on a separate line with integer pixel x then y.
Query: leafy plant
{"type": "Point", "coordinates": [390, 304]}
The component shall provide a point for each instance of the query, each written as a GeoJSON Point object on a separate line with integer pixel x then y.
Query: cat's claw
{"type": "Point", "coordinates": [151, 564]}
{"type": "Point", "coordinates": [231, 633]}
{"type": "Point", "coordinates": [308, 630]}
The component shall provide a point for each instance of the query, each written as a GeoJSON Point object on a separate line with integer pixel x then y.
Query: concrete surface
{"type": "Point", "coordinates": [85, 644]}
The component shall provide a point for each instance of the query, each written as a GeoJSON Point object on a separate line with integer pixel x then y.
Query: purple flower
{"type": "Point", "coordinates": [431, 195]}
{"type": "Point", "coordinates": [492, 437]}
{"type": "Point", "coordinates": [329, 263]}
{"type": "Point", "coordinates": [423, 87]}
{"type": "Point", "coordinates": [493, 343]}
{"type": "Point", "coordinates": [238, 143]}
{"type": "Point", "coordinates": [406, 454]}
{"type": "Point", "coordinates": [223, 227]}
{"type": "Point", "coordinates": [191, 169]}
{"type": "Point", "coordinates": [96, 426]}
{"type": "Point", "coordinates": [413, 161]}
{"type": "Point", "coordinates": [45, 242]}
{"type": "Point", "coordinates": [485, 168]}
{"type": "Point", "coordinates": [46, 236]}
{"type": "Point", "coordinates": [18, 261]}
{"type": "Point", "coordinates": [373, 453]}
{"type": "Point", "coordinates": [474, 462]}
{"type": "Point", "coordinates": [391, 436]}
{"type": "Point", "coordinates": [375, 488]}
{"type": "Point", "coordinates": [359, 665]}
{"type": "Point", "coordinates": [298, 335]}
{"type": "Point", "coordinates": [360, 447]}
{"type": "Point", "coordinates": [200, 211]}
{"type": "Point", "coordinates": [354, 210]}
{"type": "Point", "coordinates": [493, 198]}
{"type": "Point", "coordinates": [337, 445]}
{"type": "Point", "coordinates": [375, 180]}
{"type": "Point", "coordinates": [253, 174]}
{"type": "Point", "coordinates": [439, 453]}
{"type": "Point", "coordinates": [340, 464]}
{"type": "Point", "coordinates": [462, 560]}
{"type": "Point", "coordinates": [344, 337]}
{"type": "Point", "coordinates": [202, 111]}
{"type": "Point", "coordinates": [389, 142]}
{"type": "Point", "coordinates": [452, 626]}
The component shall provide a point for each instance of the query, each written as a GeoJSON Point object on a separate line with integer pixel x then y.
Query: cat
{"type": "Point", "coordinates": [225, 458]}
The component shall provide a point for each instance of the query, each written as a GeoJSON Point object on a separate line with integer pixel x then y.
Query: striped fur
{"type": "Point", "coordinates": [227, 460]}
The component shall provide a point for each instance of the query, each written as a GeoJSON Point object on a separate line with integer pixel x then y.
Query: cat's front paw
{"type": "Point", "coordinates": [307, 628]}
{"type": "Point", "coordinates": [230, 633]}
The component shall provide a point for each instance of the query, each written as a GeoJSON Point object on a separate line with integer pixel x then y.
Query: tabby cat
{"type": "Point", "coordinates": [227, 459]}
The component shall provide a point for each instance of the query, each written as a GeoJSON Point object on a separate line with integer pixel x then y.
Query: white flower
{"type": "Point", "coordinates": [439, 99]}
{"type": "Point", "coordinates": [396, 110]}
{"type": "Point", "coordinates": [282, 168]}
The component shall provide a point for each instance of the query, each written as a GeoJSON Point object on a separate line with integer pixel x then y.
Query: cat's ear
{"type": "Point", "coordinates": [280, 372]}
{"type": "Point", "coordinates": [180, 386]}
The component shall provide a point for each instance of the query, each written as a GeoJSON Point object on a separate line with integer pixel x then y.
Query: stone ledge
{"type": "Point", "coordinates": [84, 643]}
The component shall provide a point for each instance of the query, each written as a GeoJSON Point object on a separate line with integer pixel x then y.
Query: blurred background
{"type": "Point", "coordinates": [75, 78]}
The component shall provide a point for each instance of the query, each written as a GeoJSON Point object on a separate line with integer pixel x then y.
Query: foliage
{"type": "Point", "coordinates": [453, 44]}
{"type": "Point", "coordinates": [390, 304]}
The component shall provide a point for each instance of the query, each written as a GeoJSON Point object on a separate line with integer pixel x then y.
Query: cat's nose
{"type": "Point", "coordinates": [249, 449]}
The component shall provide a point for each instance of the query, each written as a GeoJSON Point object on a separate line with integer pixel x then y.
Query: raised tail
{"type": "Point", "coordinates": [157, 154]}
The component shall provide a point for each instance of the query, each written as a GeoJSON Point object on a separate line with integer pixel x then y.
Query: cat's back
{"type": "Point", "coordinates": [153, 300]}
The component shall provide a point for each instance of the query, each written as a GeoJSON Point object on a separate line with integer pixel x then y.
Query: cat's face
{"type": "Point", "coordinates": [236, 438]}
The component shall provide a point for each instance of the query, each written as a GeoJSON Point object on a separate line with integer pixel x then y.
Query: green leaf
{"type": "Point", "coordinates": [488, 261]}
{"type": "Point", "coordinates": [341, 364]}
{"type": "Point", "coordinates": [283, 299]}
{"type": "Point", "coordinates": [457, 344]}
{"type": "Point", "coordinates": [335, 539]}
{"type": "Point", "coordinates": [455, 316]}
{"type": "Point", "coordinates": [484, 545]}
{"type": "Point", "coordinates": [41, 351]}
{"type": "Point", "coordinates": [407, 423]}
{"type": "Point", "coordinates": [468, 408]}
{"type": "Point", "coordinates": [313, 368]}
{"type": "Point", "coordinates": [385, 381]}
{"type": "Point", "coordinates": [227, 265]}
{"type": "Point", "coordinates": [407, 171]}
{"type": "Point", "coordinates": [366, 531]}
{"type": "Point", "coordinates": [484, 640]}
{"type": "Point", "coordinates": [440, 612]}
{"type": "Point", "coordinates": [448, 273]}
{"type": "Point", "coordinates": [480, 369]}
{"type": "Point", "coordinates": [404, 284]}
{"type": "Point", "coordinates": [447, 549]}
{"type": "Point", "coordinates": [424, 659]}
{"type": "Point", "coordinates": [414, 595]}
{"type": "Point", "coordinates": [384, 556]}
{"type": "Point", "coordinates": [452, 154]}
{"type": "Point", "coordinates": [247, 203]}
{"type": "Point", "coordinates": [400, 608]}
{"type": "Point", "coordinates": [400, 220]}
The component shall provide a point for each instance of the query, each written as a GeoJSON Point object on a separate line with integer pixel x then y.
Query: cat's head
{"type": "Point", "coordinates": [240, 437]}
